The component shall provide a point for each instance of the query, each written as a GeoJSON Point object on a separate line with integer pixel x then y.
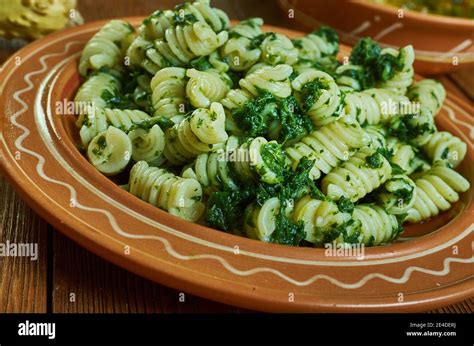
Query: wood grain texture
{"type": "Point", "coordinates": [85, 283]}
{"type": "Point", "coordinates": [23, 282]}
{"type": "Point", "coordinates": [99, 286]}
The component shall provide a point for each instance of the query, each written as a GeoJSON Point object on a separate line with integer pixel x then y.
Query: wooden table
{"type": "Point", "coordinates": [66, 277]}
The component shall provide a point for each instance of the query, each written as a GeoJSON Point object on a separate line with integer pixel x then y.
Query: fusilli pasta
{"type": "Point", "coordinates": [444, 146]}
{"type": "Point", "coordinates": [110, 151]}
{"type": "Point", "coordinates": [402, 79]}
{"type": "Point", "coordinates": [107, 48]}
{"type": "Point", "coordinates": [361, 174]}
{"type": "Point", "coordinates": [199, 133]}
{"type": "Point", "coordinates": [398, 194]}
{"type": "Point", "coordinates": [278, 49]}
{"type": "Point", "coordinates": [155, 26]}
{"type": "Point", "coordinates": [436, 190]}
{"type": "Point", "coordinates": [213, 170]}
{"type": "Point", "coordinates": [93, 90]}
{"type": "Point", "coordinates": [328, 146]}
{"type": "Point", "coordinates": [168, 92]}
{"type": "Point", "coordinates": [179, 196]}
{"type": "Point", "coordinates": [148, 144]}
{"type": "Point", "coordinates": [205, 87]}
{"type": "Point", "coordinates": [319, 217]}
{"type": "Point", "coordinates": [429, 93]}
{"type": "Point", "coordinates": [374, 106]}
{"type": "Point", "coordinates": [240, 51]}
{"type": "Point", "coordinates": [320, 96]}
{"type": "Point", "coordinates": [377, 226]}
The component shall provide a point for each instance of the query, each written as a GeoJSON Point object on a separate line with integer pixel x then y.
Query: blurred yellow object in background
{"type": "Point", "coordinates": [32, 19]}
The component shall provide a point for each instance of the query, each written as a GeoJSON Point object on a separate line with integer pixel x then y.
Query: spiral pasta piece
{"type": "Point", "coordinates": [429, 93]}
{"type": "Point", "coordinates": [93, 123]}
{"type": "Point", "coordinates": [360, 175]}
{"type": "Point", "coordinates": [346, 77]}
{"type": "Point", "coordinates": [181, 44]}
{"type": "Point", "coordinates": [199, 133]}
{"type": "Point", "coordinates": [99, 119]}
{"type": "Point", "coordinates": [123, 118]}
{"type": "Point", "coordinates": [414, 129]}
{"type": "Point", "coordinates": [142, 53]}
{"type": "Point", "coordinates": [320, 96]}
{"type": "Point", "coordinates": [403, 154]}
{"type": "Point", "coordinates": [437, 189]}
{"type": "Point", "coordinates": [213, 170]}
{"type": "Point", "coordinates": [318, 44]}
{"type": "Point", "coordinates": [236, 98]}
{"type": "Point", "coordinates": [444, 146]}
{"type": "Point", "coordinates": [369, 224]}
{"type": "Point", "coordinates": [260, 221]}
{"type": "Point", "coordinates": [328, 146]}
{"type": "Point", "coordinates": [377, 226]}
{"type": "Point", "coordinates": [110, 151]}
{"type": "Point", "coordinates": [319, 218]}
{"type": "Point", "coordinates": [215, 17]}
{"type": "Point", "coordinates": [239, 51]}
{"type": "Point", "coordinates": [168, 92]}
{"type": "Point", "coordinates": [278, 49]}
{"type": "Point", "coordinates": [398, 194]}
{"type": "Point", "coordinates": [272, 79]}
{"type": "Point", "coordinates": [92, 90]}
{"type": "Point", "coordinates": [402, 79]}
{"type": "Point", "coordinates": [374, 106]}
{"type": "Point", "coordinates": [377, 135]}
{"type": "Point", "coordinates": [107, 47]}
{"type": "Point", "coordinates": [148, 144]}
{"type": "Point", "coordinates": [205, 87]}
{"type": "Point", "coordinates": [155, 26]}
{"type": "Point", "coordinates": [179, 196]}
{"type": "Point", "coordinates": [259, 158]}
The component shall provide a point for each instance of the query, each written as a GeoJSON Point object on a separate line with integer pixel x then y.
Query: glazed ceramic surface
{"type": "Point", "coordinates": [442, 43]}
{"type": "Point", "coordinates": [432, 264]}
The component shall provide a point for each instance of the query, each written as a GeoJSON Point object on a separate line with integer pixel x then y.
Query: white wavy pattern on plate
{"type": "Point", "coordinates": [452, 116]}
{"type": "Point", "coordinates": [167, 245]}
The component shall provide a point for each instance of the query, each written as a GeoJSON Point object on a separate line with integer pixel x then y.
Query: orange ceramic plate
{"type": "Point", "coordinates": [442, 43]}
{"type": "Point", "coordinates": [39, 155]}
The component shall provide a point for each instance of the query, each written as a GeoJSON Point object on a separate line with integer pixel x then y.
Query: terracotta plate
{"type": "Point", "coordinates": [431, 266]}
{"type": "Point", "coordinates": [442, 43]}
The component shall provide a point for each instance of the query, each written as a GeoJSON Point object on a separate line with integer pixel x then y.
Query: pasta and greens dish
{"type": "Point", "coordinates": [257, 134]}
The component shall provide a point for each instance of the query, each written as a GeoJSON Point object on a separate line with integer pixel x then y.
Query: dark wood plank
{"type": "Point", "coordinates": [85, 283]}
{"type": "Point", "coordinates": [23, 282]}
